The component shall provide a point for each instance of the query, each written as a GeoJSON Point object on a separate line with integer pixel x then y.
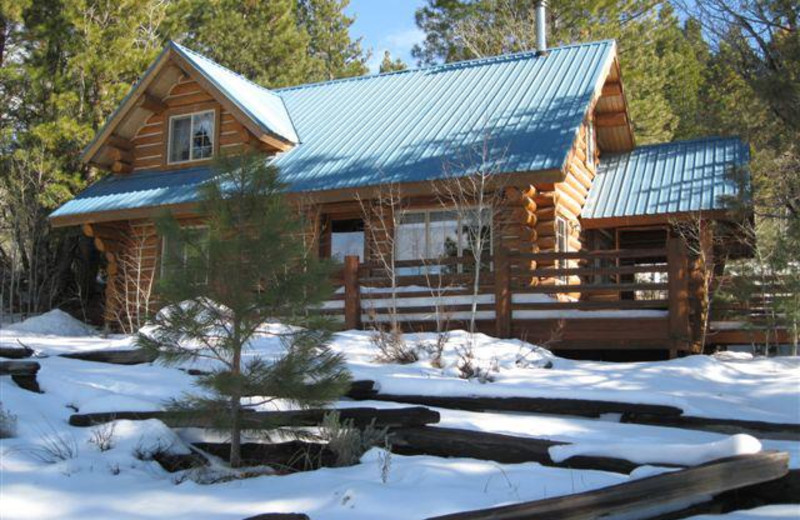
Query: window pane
{"type": "Point", "coordinates": [202, 135]}
{"type": "Point", "coordinates": [195, 252]}
{"type": "Point", "coordinates": [476, 235]}
{"type": "Point", "coordinates": [180, 127]}
{"type": "Point", "coordinates": [443, 234]}
{"type": "Point", "coordinates": [410, 241]}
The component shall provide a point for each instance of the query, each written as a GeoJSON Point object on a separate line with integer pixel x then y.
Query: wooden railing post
{"type": "Point", "coordinates": [678, 272]}
{"type": "Point", "coordinates": [502, 294]}
{"type": "Point", "coordinates": [352, 293]}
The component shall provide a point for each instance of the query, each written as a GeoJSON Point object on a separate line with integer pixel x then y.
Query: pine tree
{"type": "Point", "coordinates": [333, 53]}
{"type": "Point", "coordinates": [263, 41]}
{"type": "Point", "coordinates": [390, 65]}
{"type": "Point", "coordinates": [219, 287]}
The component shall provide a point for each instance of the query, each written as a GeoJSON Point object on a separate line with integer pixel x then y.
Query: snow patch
{"type": "Point", "coordinates": [53, 323]}
{"type": "Point", "coordinates": [661, 453]}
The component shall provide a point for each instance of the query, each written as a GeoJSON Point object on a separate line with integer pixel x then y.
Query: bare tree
{"type": "Point", "coordinates": [131, 290]}
{"type": "Point", "coordinates": [473, 190]}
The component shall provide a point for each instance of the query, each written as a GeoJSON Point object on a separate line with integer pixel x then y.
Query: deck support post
{"type": "Point", "coordinates": [352, 293]}
{"type": "Point", "coordinates": [678, 283]}
{"type": "Point", "coordinates": [502, 294]}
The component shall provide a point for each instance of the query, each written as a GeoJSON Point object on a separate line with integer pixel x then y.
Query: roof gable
{"type": "Point", "coordinates": [261, 111]}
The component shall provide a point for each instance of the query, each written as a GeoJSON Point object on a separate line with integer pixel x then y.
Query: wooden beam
{"type": "Point", "coordinates": [612, 89]}
{"type": "Point", "coordinates": [611, 119]}
{"type": "Point", "coordinates": [121, 167]}
{"type": "Point", "coordinates": [152, 103]}
{"type": "Point", "coordinates": [119, 142]}
{"type": "Point", "coordinates": [119, 154]}
{"type": "Point", "coordinates": [633, 499]}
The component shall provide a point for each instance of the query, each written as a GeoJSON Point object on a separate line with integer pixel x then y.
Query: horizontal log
{"type": "Point", "coordinates": [361, 417]}
{"type": "Point", "coordinates": [592, 305]}
{"type": "Point", "coordinates": [291, 455]}
{"type": "Point", "coordinates": [580, 407]}
{"type": "Point", "coordinates": [764, 430]}
{"type": "Point", "coordinates": [636, 498]}
{"type": "Point", "coordinates": [279, 516]}
{"type": "Point", "coordinates": [594, 271]}
{"type": "Point", "coordinates": [23, 373]}
{"type": "Point", "coordinates": [506, 449]}
{"type": "Point", "coordinates": [611, 253]}
{"type": "Point", "coordinates": [19, 368]}
{"type": "Point", "coordinates": [115, 357]}
{"type": "Point", "coordinates": [16, 352]}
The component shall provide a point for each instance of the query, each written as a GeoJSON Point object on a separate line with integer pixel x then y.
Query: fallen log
{"type": "Point", "coordinates": [115, 357]}
{"type": "Point", "coordinates": [23, 373]}
{"type": "Point", "coordinates": [361, 417]}
{"type": "Point", "coordinates": [286, 456]}
{"type": "Point", "coordinates": [581, 407]}
{"type": "Point", "coordinates": [764, 430]}
{"type": "Point", "coordinates": [16, 352]}
{"type": "Point", "coordinates": [639, 498]}
{"type": "Point", "coordinates": [279, 516]}
{"type": "Point", "coordinates": [452, 442]}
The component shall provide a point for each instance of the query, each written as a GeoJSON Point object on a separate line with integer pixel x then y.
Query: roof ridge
{"type": "Point", "coordinates": [238, 75]}
{"type": "Point", "coordinates": [444, 66]}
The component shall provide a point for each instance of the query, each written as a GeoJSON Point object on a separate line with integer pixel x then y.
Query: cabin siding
{"type": "Point", "coordinates": [186, 96]}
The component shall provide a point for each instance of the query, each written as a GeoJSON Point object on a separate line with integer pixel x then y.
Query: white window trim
{"type": "Point", "coordinates": [458, 215]}
{"type": "Point", "coordinates": [191, 115]}
{"type": "Point", "coordinates": [563, 264]}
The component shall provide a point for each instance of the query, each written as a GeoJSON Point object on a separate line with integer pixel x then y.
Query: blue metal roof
{"type": "Point", "coordinates": [402, 127]}
{"type": "Point", "coordinates": [263, 106]}
{"type": "Point", "coordinates": [410, 126]}
{"type": "Point", "coordinates": [137, 190]}
{"type": "Point", "coordinates": [677, 177]}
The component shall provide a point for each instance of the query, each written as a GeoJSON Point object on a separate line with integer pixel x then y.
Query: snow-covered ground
{"type": "Point", "coordinates": [116, 484]}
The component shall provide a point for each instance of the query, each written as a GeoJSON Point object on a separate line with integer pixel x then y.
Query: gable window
{"type": "Point", "coordinates": [443, 234]}
{"type": "Point", "coordinates": [191, 137]}
{"type": "Point", "coordinates": [189, 252]}
{"type": "Point", "coordinates": [590, 145]}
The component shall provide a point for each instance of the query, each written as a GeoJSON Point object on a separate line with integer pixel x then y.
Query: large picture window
{"type": "Point", "coordinates": [191, 137]}
{"type": "Point", "coordinates": [443, 234]}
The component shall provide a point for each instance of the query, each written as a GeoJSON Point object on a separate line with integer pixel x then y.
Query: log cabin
{"type": "Point", "coordinates": [585, 253]}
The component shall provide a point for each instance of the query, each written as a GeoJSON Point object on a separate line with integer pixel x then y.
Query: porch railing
{"type": "Point", "coordinates": [515, 287]}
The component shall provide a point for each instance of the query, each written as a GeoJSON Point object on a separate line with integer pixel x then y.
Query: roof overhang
{"type": "Point", "coordinates": [658, 219]}
{"type": "Point", "coordinates": [412, 189]}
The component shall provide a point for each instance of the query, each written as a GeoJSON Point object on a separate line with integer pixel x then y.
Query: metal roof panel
{"type": "Point", "coordinates": [682, 176]}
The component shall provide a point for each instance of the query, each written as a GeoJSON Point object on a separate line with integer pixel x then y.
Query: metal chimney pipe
{"type": "Point", "coordinates": [541, 27]}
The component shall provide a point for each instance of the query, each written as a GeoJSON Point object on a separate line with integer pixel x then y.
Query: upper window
{"type": "Point", "coordinates": [191, 137]}
{"type": "Point", "coordinates": [590, 145]}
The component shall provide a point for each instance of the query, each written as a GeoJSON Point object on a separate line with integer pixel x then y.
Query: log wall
{"type": "Point", "coordinates": [150, 142]}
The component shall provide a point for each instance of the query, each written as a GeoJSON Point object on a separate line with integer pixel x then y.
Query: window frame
{"type": "Point", "coordinates": [458, 213]}
{"type": "Point", "coordinates": [562, 237]}
{"type": "Point", "coordinates": [191, 115]}
{"type": "Point", "coordinates": [591, 146]}
{"type": "Point", "coordinates": [164, 247]}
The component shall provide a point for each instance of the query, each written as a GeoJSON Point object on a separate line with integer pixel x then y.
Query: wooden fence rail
{"type": "Point", "coordinates": [518, 292]}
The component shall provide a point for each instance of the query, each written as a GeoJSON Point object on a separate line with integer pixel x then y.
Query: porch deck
{"type": "Point", "coordinates": [585, 300]}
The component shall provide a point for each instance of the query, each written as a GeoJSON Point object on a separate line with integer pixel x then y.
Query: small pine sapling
{"type": "Point", "coordinates": [220, 283]}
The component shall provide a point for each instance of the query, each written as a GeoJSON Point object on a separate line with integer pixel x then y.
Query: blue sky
{"type": "Point", "coordinates": [386, 25]}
